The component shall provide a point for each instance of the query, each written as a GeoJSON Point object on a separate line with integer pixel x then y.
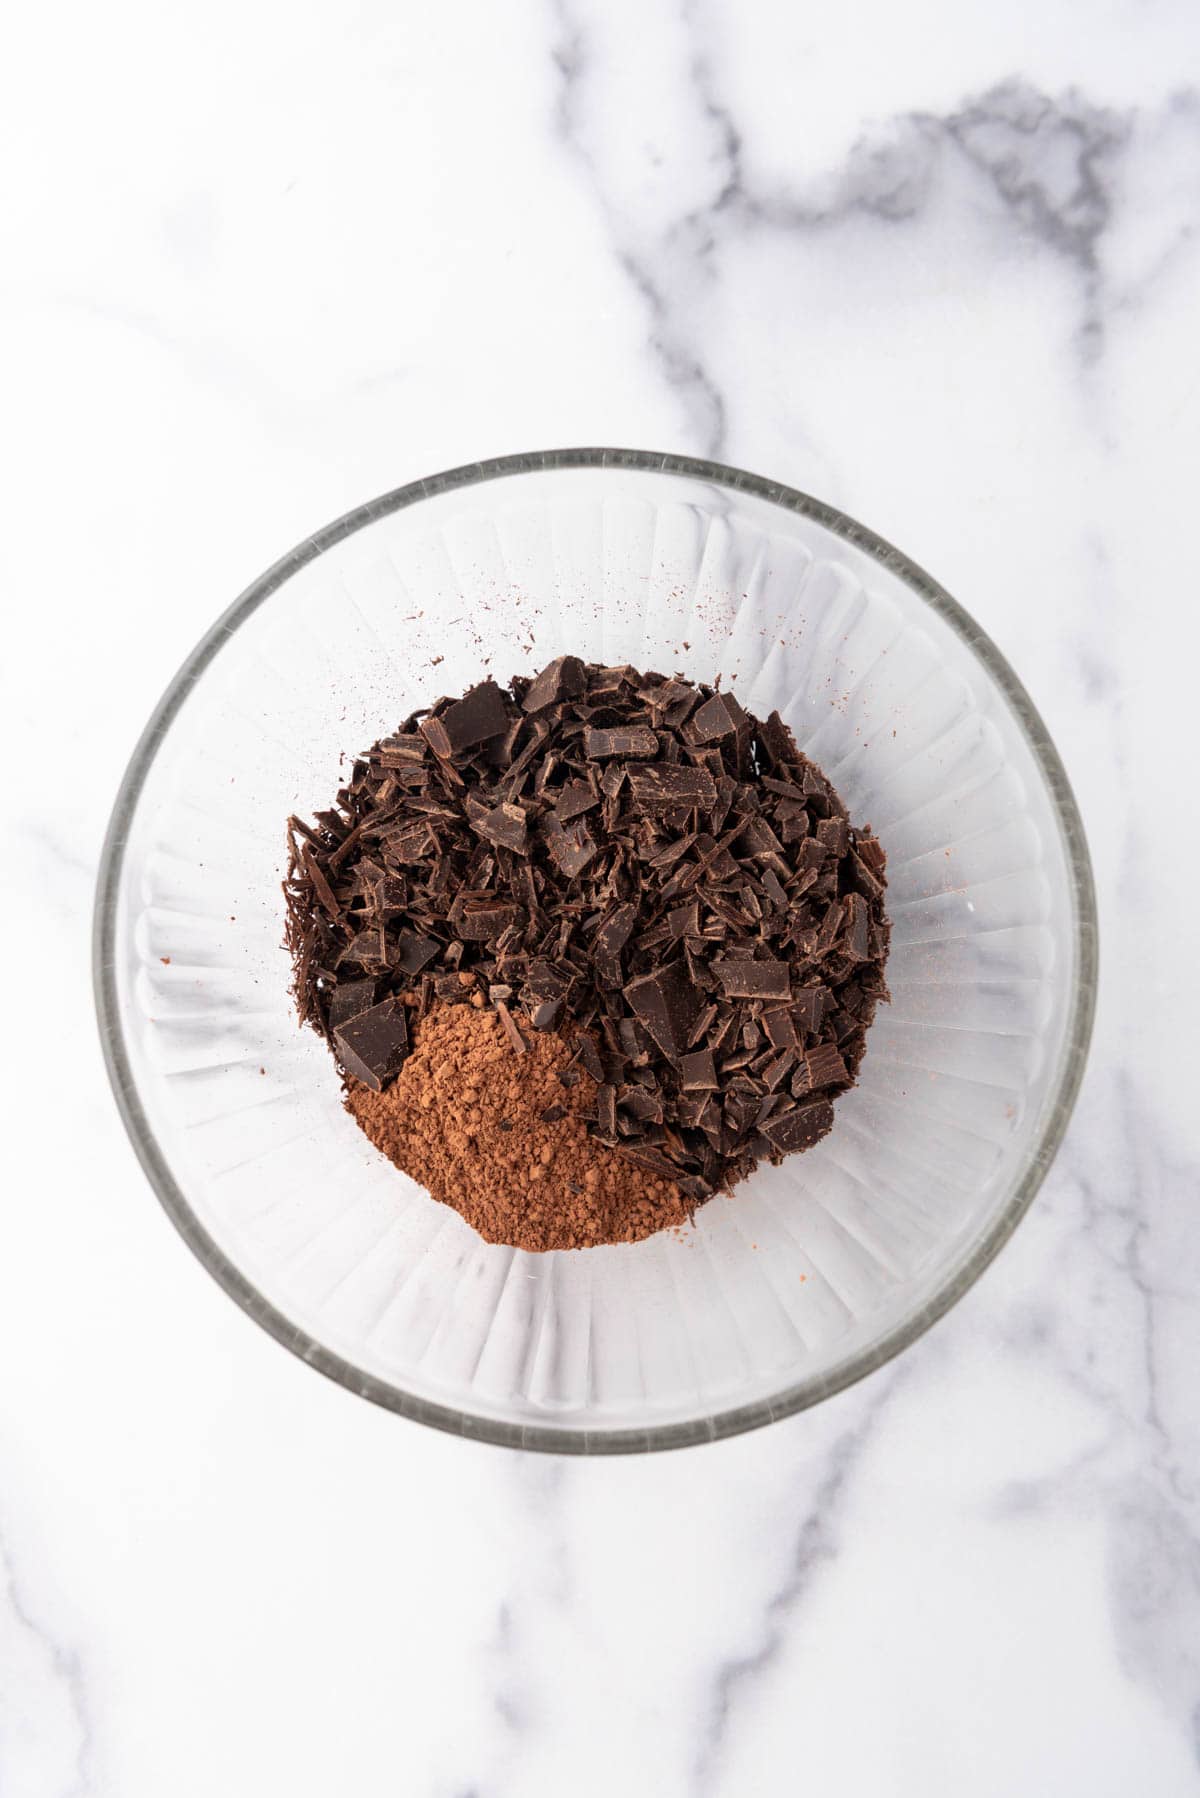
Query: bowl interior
{"type": "Point", "coordinates": [814, 1270]}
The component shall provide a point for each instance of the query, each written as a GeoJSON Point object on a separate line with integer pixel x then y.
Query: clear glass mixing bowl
{"type": "Point", "coordinates": [816, 1271]}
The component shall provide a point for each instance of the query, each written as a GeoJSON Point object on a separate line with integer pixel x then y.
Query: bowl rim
{"type": "Point", "coordinates": [550, 1437]}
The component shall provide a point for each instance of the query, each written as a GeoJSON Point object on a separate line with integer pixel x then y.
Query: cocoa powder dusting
{"type": "Point", "coordinates": [502, 1140]}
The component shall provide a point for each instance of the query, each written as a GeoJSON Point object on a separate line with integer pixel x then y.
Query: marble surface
{"type": "Point", "coordinates": [940, 266]}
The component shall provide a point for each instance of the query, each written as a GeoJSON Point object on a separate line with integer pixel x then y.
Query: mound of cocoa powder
{"type": "Point", "coordinates": [499, 1137]}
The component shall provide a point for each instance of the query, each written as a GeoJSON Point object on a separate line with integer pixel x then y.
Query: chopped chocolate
{"type": "Point", "coordinates": [780, 1026]}
{"type": "Point", "coordinates": [350, 998]}
{"type": "Point", "coordinates": [372, 1045]}
{"type": "Point", "coordinates": [698, 1071]}
{"type": "Point", "coordinates": [800, 1127]}
{"type": "Point", "coordinates": [572, 845]}
{"type": "Point", "coordinates": [588, 1056]}
{"type": "Point", "coordinates": [576, 798]}
{"type": "Point", "coordinates": [504, 825]}
{"type": "Point", "coordinates": [667, 1003]}
{"type": "Point", "coordinates": [656, 786]}
{"type": "Point", "coordinates": [559, 680]}
{"type": "Point", "coordinates": [606, 1112]}
{"type": "Point", "coordinates": [824, 1067]}
{"type": "Point", "coordinates": [834, 833]}
{"type": "Point", "coordinates": [480, 714]}
{"type": "Point", "coordinates": [753, 979]}
{"type": "Point", "coordinates": [630, 860]}
{"type": "Point", "coordinates": [640, 740]}
{"type": "Point", "coordinates": [719, 717]}
{"type": "Point", "coordinates": [511, 1029]}
{"type": "Point", "coordinates": [857, 940]}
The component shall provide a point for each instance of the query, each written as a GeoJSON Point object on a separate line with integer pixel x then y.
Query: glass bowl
{"type": "Point", "coordinates": [814, 1272]}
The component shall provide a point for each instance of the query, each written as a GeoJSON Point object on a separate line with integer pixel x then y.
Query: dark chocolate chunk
{"type": "Point", "coordinates": [559, 680]}
{"type": "Point", "coordinates": [809, 1005]}
{"type": "Point", "coordinates": [481, 923]}
{"type": "Point", "coordinates": [350, 998]}
{"type": "Point", "coordinates": [698, 1071]}
{"type": "Point", "coordinates": [544, 994]}
{"type": "Point", "coordinates": [614, 931]}
{"type": "Point", "coordinates": [800, 1127]}
{"type": "Point", "coordinates": [824, 1067]}
{"type": "Point", "coordinates": [372, 1046]}
{"type": "Point", "coordinates": [480, 714]}
{"type": "Point", "coordinates": [504, 825]}
{"type": "Point", "coordinates": [655, 786]}
{"type": "Point", "coordinates": [572, 846]}
{"type": "Point", "coordinates": [834, 833]}
{"type": "Point", "coordinates": [780, 1026]}
{"type": "Point", "coordinates": [414, 952]}
{"type": "Point", "coordinates": [667, 1003]}
{"type": "Point", "coordinates": [719, 717]}
{"type": "Point", "coordinates": [753, 979]}
{"type": "Point", "coordinates": [638, 740]}
{"type": "Point", "coordinates": [576, 798]}
{"type": "Point", "coordinates": [550, 1114]}
{"type": "Point", "coordinates": [588, 1056]}
{"type": "Point", "coordinates": [641, 1103]}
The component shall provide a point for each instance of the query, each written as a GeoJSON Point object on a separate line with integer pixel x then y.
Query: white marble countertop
{"type": "Point", "coordinates": [938, 265]}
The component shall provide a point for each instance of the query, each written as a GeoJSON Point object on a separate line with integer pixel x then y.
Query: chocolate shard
{"type": "Point", "coordinates": [657, 786]}
{"type": "Point", "coordinates": [372, 1046]}
{"type": "Point", "coordinates": [637, 739]}
{"type": "Point", "coordinates": [543, 994]}
{"type": "Point", "coordinates": [641, 1103]}
{"type": "Point", "coordinates": [613, 932]}
{"type": "Point", "coordinates": [799, 1127]}
{"type": "Point", "coordinates": [666, 1003]}
{"type": "Point", "coordinates": [402, 751]}
{"type": "Point", "coordinates": [504, 825]}
{"type": "Point", "coordinates": [389, 895]}
{"type": "Point", "coordinates": [414, 952]}
{"type": "Point", "coordinates": [551, 1114]}
{"type": "Point", "coordinates": [482, 923]}
{"type": "Point", "coordinates": [561, 679]}
{"type": "Point", "coordinates": [809, 1006]}
{"type": "Point", "coordinates": [698, 1072]}
{"type": "Point", "coordinates": [822, 1066]}
{"type": "Point", "coordinates": [516, 1040]}
{"type": "Point", "coordinates": [588, 1055]}
{"type": "Point", "coordinates": [870, 851]}
{"type": "Point", "coordinates": [685, 920]}
{"type": "Point", "coordinates": [835, 834]}
{"type": "Point", "coordinates": [753, 979]}
{"type": "Point", "coordinates": [367, 948]}
{"type": "Point", "coordinates": [571, 846]}
{"type": "Point", "coordinates": [718, 718]}
{"type": "Point", "coordinates": [349, 999]}
{"type": "Point", "coordinates": [576, 798]}
{"type": "Point", "coordinates": [777, 1070]}
{"type": "Point", "coordinates": [856, 939]}
{"type": "Point", "coordinates": [780, 1026]}
{"type": "Point", "coordinates": [606, 1111]}
{"type": "Point", "coordinates": [480, 714]}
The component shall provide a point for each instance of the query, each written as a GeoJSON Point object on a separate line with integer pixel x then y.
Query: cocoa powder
{"type": "Point", "coordinates": [498, 1136]}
